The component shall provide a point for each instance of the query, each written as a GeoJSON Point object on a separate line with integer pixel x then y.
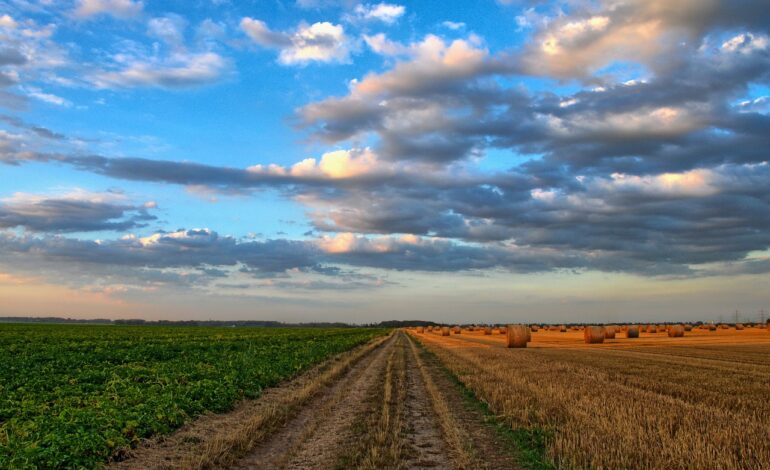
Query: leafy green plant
{"type": "Point", "coordinates": [73, 396]}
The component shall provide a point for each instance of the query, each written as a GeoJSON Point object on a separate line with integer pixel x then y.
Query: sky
{"type": "Point", "coordinates": [339, 160]}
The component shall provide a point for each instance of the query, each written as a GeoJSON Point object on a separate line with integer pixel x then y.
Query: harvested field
{"type": "Point", "coordinates": [693, 402]}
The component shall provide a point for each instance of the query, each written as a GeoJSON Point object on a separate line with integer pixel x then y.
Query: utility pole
{"type": "Point", "coordinates": [736, 316]}
{"type": "Point", "coordinates": [762, 316]}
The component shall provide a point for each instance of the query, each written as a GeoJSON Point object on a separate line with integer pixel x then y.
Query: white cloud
{"type": "Point", "coordinates": [385, 12]}
{"type": "Point", "coordinates": [47, 97]}
{"type": "Point", "coordinates": [319, 42]}
{"type": "Point", "coordinates": [116, 8]}
{"type": "Point", "coordinates": [177, 71]}
{"type": "Point", "coordinates": [746, 43]}
{"type": "Point", "coordinates": [7, 22]}
{"type": "Point", "coordinates": [169, 29]}
{"type": "Point", "coordinates": [380, 44]}
{"type": "Point", "coordinates": [453, 25]}
{"type": "Point", "coordinates": [338, 164]}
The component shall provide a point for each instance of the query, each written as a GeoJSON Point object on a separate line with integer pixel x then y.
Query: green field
{"type": "Point", "coordinates": [72, 396]}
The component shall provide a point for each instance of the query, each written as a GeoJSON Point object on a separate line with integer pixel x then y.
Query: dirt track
{"type": "Point", "coordinates": [387, 406]}
{"type": "Point", "coordinates": [395, 409]}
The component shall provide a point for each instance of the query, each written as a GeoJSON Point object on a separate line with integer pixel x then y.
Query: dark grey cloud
{"type": "Point", "coordinates": [61, 215]}
{"type": "Point", "coordinates": [11, 56]}
{"type": "Point", "coordinates": [37, 130]}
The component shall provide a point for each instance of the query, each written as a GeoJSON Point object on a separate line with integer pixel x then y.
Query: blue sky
{"type": "Point", "coordinates": [318, 159]}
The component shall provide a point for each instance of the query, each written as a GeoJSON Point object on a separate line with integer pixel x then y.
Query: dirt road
{"type": "Point", "coordinates": [395, 409]}
{"type": "Point", "coordinates": [390, 405]}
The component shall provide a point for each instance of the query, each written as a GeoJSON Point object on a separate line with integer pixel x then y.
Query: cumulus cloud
{"type": "Point", "coordinates": [318, 42]}
{"type": "Point", "coordinates": [654, 33]}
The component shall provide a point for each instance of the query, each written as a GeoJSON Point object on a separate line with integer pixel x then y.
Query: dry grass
{"type": "Point", "coordinates": [698, 402]}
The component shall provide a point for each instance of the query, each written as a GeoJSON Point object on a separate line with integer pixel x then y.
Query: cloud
{"type": "Point", "coordinates": [339, 164]}
{"type": "Point", "coordinates": [657, 168]}
{"type": "Point", "coordinates": [78, 211]}
{"type": "Point", "coordinates": [179, 70]}
{"type": "Point", "coordinates": [453, 25]}
{"type": "Point", "coordinates": [121, 9]}
{"type": "Point", "coordinates": [10, 56]}
{"type": "Point", "coordinates": [169, 29]}
{"type": "Point", "coordinates": [37, 130]}
{"type": "Point", "coordinates": [49, 98]}
{"type": "Point", "coordinates": [654, 33]}
{"type": "Point", "coordinates": [319, 42]}
{"type": "Point", "coordinates": [385, 12]}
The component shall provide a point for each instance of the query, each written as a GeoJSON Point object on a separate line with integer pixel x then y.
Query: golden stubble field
{"type": "Point", "coordinates": [697, 402]}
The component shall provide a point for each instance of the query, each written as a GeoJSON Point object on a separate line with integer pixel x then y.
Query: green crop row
{"type": "Point", "coordinates": [74, 396]}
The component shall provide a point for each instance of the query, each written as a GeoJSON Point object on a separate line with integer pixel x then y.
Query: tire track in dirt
{"type": "Point", "coordinates": [473, 443]}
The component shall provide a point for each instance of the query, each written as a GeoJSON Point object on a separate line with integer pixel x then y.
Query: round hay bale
{"type": "Point", "coordinates": [535, 328]}
{"type": "Point", "coordinates": [609, 332]}
{"type": "Point", "coordinates": [739, 326]}
{"type": "Point", "coordinates": [488, 330]}
{"type": "Point", "coordinates": [562, 328]}
{"type": "Point", "coordinates": [445, 331]}
{"type": "Point", "coordinates": [676, 331]}
{"type": "Point", "coordinates": [420, 329]}
{"type": "Point", "coordinates": [593, 334]}
{"type": "Point", "coordinates": [456, 330]}
{"type": "Point", "coordinates": [516, 336]}
{"type": "Point", "coordinates": [650, 329]}
{"type": "Point", "coordinates": [688, 328]}
{"type": "Point", "coordinates": [662, 328]}
{"type": "Point", "coordinates": [632, 331]}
